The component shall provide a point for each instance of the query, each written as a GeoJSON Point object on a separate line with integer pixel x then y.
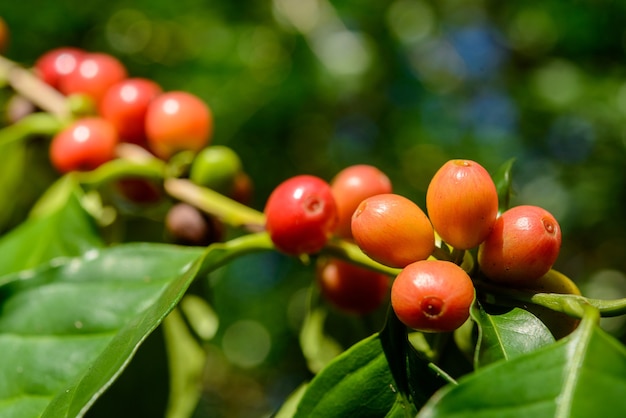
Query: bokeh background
{"type": "Point", "coordinates": [311, 86]}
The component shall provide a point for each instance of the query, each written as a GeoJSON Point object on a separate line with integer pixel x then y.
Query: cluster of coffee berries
{"type": "Point", "coordinates": [302, 214]}
{"type": "Point", "coordinates": [432, 292]}
{"type": "Point", "coordinates": [134, 110]}
{"type": "Point", "coordinates": [115, 109]}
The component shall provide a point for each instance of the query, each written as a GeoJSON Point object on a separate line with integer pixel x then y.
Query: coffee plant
{"type": "Point", "coordinates": [458, 308]}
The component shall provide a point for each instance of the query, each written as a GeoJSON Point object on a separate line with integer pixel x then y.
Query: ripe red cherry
{"type": "Point", "coordinates": [125, 104]}
{"type": "Point", "coordinates": [300, 215]}
{"type": "Point", "coordinates": [138, 190]}
{"type": "Point", "coordinates": [462, 203]}
{"type": "Point", "coordinates": [178, 121]}
{"type": "Point", "coordinates": [4, 36]}
{"type": "Point", "coordinates": [392, 230]}
{"type": "Point", "coordinates": [432, 296]}
{"type": "Point", "coordinates": [523, 245]}
{"type": "Point", "coordinates": [350, 187]}
{"type": "Point", "coordinates": [58, 63]}
{"type": "Point", "coordinates": [84, 145]}
{"type": "Point", "coordinates": [352, 288]}
{"type": "Point", "coordinates": [93, 76]}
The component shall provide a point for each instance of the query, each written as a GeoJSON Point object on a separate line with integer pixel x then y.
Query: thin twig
{"type": "Point", "coordinates": [34, 89]}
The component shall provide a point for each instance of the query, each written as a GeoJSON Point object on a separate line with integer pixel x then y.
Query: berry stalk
{"type": "Point", "coordinates": [34, 89]}
{"type": "Point", "coordinates": [214, 203]}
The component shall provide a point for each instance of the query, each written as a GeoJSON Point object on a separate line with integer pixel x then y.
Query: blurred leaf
{"type": "Point", "coordinates": [56, 196]}
{"type": "Point", "coordinates": [579, 376]}
{"type": "Point", "coordinates": [38, 123]}
{"type": "Point", "coordinates": [200, 316]}
{"type": "Point", "coordinates": [186, 360]}
{"type": "Point", "coordinates": [317, 346]}
{"type": "Point", "coordinates": [507, 335]}
{"type": "Point", "coordinates": [12, 158]}
{"type": "Point", "coordinates": [356, 383]}
{"type": "Point", "coordinates": [503, 181]}
{"type": "Point", "coordinates": [65, 230]}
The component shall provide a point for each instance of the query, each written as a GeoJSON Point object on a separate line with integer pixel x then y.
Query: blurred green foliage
{"type": "Point", "coordinates": [310, 86]}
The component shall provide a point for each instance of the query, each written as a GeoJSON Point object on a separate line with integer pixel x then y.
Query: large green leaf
{"type": "Point", "coordinates": [507, 334]}
{"type": "Point", "coordinates": [65, 230]}
{"type": "Point", "coordinates": [356, 383]}
{"type": "Point", "coordinates": [583, 375]}
{"type": "Point", "coordinates": [69, 328]}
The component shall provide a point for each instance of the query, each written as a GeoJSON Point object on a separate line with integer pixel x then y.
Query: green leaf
{"type": "Point", "coordinates": [68, 230]}
{"type": "Point", "coordinates": [38, 123]}
{"type": "Point", "coordinates": [288, 408]}
{"type": "Point", "coordinates": [506, 335]}
{"type": "Point", "coordinates": [186, 360]}
{"type": "Point", "coordinates": [12, 162]}
{"type": "Point", "coordinates": [318, 348]}
{"type": "Point", "coordinates": [415, 379]}
{"type": "Point", "coordinates": [503, 181]}
{"type": "Point", "coordinates": [582, 375]}
{"type": "Point", "coordinates": [356, 383]}
{"type": "Point", "coordinates": [69, 328]}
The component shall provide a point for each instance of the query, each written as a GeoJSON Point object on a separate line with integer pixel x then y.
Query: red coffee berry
{"type": "Point", "coordinates": [139, 190]}
{"type": "Point", "coordinates": [300, 215]}
{"type": "Point", "coordinates": [462, 203]}
{"type": "Point", "coordinates": [84, 145]}
{"type": "Point", "coordinates": [392, 230]}
{"type": "Point", "coordinates": [350, 187]}
{"type": "Point", "coordinates": [432, 296]}
{"type": "Point", "coordinates": [58, 63]}
{"type": "Point", "coordinates": [4, 35]}
{"type": "Point", "coordinates": [523, 245]}
{"type": "Point", "coordinates": [178, 121]}
{"type": "Point", "coordinates": [125, 104]}
{"type": "Point", "coordinates": [93, 76]}
{"type": "Point", "coordinates": [351, 288]}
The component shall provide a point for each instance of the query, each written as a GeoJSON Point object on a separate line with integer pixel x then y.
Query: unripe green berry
{"type": "Point", "coordinates": [216, 167]}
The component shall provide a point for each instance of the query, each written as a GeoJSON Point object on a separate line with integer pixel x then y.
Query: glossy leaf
{"type": "Point", "coordinates": [411, 370]}
{"type": "Point", "coordinates": [66, 230]}
{"type": "Point", "coordinates": [69, 328]}
{"type": "Point", "coordinates": [579, 376]}
{"type": "Point", "coordinates": [356, 383]}
{"type": "Point", "coordinates": [507, 335]}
